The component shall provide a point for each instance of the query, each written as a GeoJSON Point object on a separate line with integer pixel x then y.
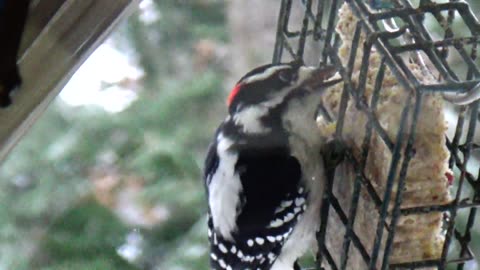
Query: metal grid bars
{"type": "Point", "coordinates": [441, 39]}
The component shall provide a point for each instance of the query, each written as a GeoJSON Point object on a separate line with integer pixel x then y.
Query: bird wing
{"type": "Point", "coordinates": [271, 199]}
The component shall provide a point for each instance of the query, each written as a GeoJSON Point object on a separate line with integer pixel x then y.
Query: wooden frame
{"type": "Point", "coordinates": [59, 35]}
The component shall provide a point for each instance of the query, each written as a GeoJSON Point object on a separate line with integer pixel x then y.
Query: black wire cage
{"type": "Point", "coordinates": [427, 31]}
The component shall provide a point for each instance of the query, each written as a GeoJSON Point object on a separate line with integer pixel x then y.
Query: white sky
{"type": "Point", "coordinates": [105, 66]}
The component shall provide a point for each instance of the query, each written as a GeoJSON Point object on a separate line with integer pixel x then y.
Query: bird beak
{"type": "Point", "coordinates": [321, 78]}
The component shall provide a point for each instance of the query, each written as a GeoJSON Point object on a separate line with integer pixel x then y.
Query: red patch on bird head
{"type": "Point", "coordinates": [233, 93]}
{"type": "Point", "coordinates": [450, 178]}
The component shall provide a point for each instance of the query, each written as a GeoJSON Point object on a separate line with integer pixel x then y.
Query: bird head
{"type": "Point", "coordinates": [266, 91]}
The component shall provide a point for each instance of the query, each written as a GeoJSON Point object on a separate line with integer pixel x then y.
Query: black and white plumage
{"type": "Point", "coordinates": [263, 173]}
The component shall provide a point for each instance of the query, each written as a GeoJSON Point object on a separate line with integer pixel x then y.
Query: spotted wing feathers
{"type": "Point", "coordinates": [272, 200]}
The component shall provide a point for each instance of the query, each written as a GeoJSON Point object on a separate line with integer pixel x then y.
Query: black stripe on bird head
{"type": "Point", "coordinates": [263, 84]}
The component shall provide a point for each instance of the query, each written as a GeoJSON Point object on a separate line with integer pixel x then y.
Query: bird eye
{"type": "Point", "coordinates": [286, 76]}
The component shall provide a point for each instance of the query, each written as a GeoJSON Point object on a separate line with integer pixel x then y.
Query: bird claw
{"type": "Point", "coordinates": [333, 153]}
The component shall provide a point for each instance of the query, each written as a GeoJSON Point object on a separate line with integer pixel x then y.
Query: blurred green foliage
{"type": "Point", "coordinates": [85, 231]}
{"type": "Point", "coordinates": [49, 217]}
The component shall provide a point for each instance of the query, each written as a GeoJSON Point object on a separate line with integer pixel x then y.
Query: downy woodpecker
{"type": "Point", "coordinates": [264, 174]}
